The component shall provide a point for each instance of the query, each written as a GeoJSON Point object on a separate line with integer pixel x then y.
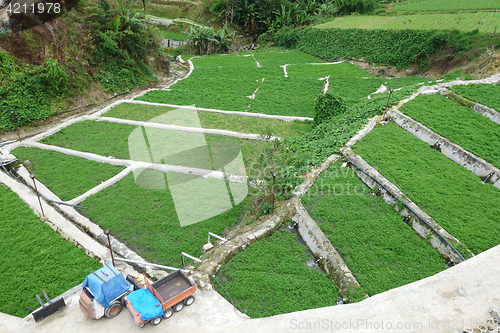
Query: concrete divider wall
{"type": "Point", "coordinates": [333, 264]}
{"type": "Point", "coordinates": [320, 246]}
{"type": "Point", "coordinates": [454, 152]}
{"type": "Point", "coordinates": [410, 218]}
{"type": "Point", "coordinates": [486, 111]}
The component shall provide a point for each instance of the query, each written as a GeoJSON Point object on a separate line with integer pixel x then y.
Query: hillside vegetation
{"type": "Point", "coordinates": [99, 46]}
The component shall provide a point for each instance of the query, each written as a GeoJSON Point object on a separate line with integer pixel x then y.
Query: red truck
{"type": "Point", "coordinates": [160, 299]}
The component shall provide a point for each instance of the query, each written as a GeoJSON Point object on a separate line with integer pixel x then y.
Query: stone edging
{"type": "Point", "coordinates": [320, 246]}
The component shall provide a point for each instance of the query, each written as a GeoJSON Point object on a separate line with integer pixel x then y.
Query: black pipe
{"type": "Point", "coordinates": [67, 204]}
{"type": "Point", "coordinates": [385, 188]}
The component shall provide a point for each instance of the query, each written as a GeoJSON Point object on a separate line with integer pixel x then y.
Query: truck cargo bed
{"type": "Point", "coordinates": [172, 285]}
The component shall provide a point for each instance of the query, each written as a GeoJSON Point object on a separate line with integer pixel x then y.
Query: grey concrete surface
{"type": "Point", "coordinates": [449, 301]}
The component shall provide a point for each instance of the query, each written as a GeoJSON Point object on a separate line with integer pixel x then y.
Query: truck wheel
{"type": "Point", "coordinates": [188, 301]}
{"type": "Point", "coordinates": [168, 313]}
{"type": "Point", "coordinates": [113, 310]}
{"type": "Point", "coordinates": [178, 307]}
{"type": "Point", "coordinates": [156, 321]}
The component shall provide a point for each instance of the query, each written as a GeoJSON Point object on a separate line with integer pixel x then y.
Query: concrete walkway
{"type": "Point", "coordinates": [449, 301]}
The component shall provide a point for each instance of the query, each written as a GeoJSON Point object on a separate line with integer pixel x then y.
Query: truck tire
{"type": "Point", "coordinates": [113, 309]}
{"type": "Point", "coordinates": [168, 313]}
{"type": "Point", "coordinates": [155, 321]}
{"type": "Point", "coordinates": [178, 307]}
{"type": "Point", "coordinates": [188, 301]}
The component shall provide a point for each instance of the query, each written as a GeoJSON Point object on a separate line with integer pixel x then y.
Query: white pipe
{"type": "Point", "coordinates": [218, 237]}
{"type": "Point", "coordinates": [149, 264]}
{"type": "Point", "coordinates": [190, 257]}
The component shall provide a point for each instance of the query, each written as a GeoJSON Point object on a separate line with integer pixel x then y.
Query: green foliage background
{"type": "Point", "coordinates": [394, 47]}
{"type": "Point", "coordinates": [28, 91]}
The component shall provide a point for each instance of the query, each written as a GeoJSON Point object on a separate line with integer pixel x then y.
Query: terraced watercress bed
{"type": "Point", "coordinates": [486, 94]}
{"type": "Point", "coordinates": [113, 139]}
{"type": "Point", "coordinates": [461, 125]}
{"type": "Point", "coordinates": [222, 121]}
{"type": "Point", "coordinates": [66, 176]}
{"type": "Point", "coordinates": [453, 196]}
{"type": "Point", "coordinates": [294, 95]}
{"type": "Point", "coordinates": [34, 257]}
{"type": "Point", "coordinates": [270, 277]}
{"type": "Point", "coordinates": [381, 250]}
{"type": "Point", "coordinates": [146, 220]}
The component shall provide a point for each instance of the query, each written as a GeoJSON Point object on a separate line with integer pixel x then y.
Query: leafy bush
{"type": "Point", "coordinates": [122, 44]}
{"type": "Point", "coordinates": [327, 107]}
{"type": "Point", "coordinates": [395, 47]}
{"type": "Point", "coordinates": [286, 37]}
{"type": "Point", "coordinates": [27, 94]}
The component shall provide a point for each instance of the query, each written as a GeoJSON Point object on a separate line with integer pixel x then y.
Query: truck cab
{"type": "Point", "coordinates": [102, 293]}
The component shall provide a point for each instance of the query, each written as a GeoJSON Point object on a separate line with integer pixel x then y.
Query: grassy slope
{"type": "Point", "coordinates": [454, 197]}
{"type": "Point", "coordinates": [34, 257]}
{"type": "Point", "coordinates": [146, 220]}
{"type": "Point", "coordinates": [486, 94]}
{"type": "Point", "coordinates": [213, 120]}
{"type": "Point", "coordinates": [486, 22]}
{"type": "Point", "coordinates": [270, 277]}
{"type": "Point", "coordinates": [379, 248]}
{"type": "Point", "coordinates": [66, 176]}
{"type": "Point", "coordinates": [431, 5]}
{"type": "Point", "coordinates": [461, 125]}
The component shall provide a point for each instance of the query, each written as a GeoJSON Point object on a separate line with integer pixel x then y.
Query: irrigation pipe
{"type": "Point", "coordinates": [408, 207]}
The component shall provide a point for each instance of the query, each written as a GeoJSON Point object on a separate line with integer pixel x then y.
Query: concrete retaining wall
{"type": "Point", "coordinates": [173, 43]}
{"type": "Point", "coordinates": [411, 219]}
{"type": "Point", "coordinates": [313, 236]}
{"type": "Point", "coordinates": [454, 152]}
{"type": "Point", "coordinates": [320, 246]}
{"type": "Point", "coordinates": [486, 111]}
